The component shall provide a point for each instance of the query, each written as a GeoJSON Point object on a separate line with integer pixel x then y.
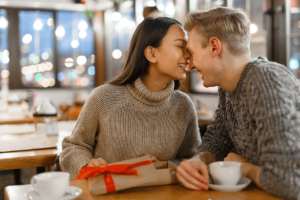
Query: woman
{"type": "Point", "coordinates": [141, 111]}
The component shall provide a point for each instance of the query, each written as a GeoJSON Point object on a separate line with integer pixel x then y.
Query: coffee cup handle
{"type": "Point", "coordinates": [33, 183]}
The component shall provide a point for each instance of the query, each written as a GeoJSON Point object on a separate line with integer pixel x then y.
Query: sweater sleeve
{"type": "Point", "coordinates": [192, 140]}
{"type": "Point", "coordinates": [216, 140]}
{"type": "Point", "coordinates": [78, 148]}
{"type": "Point", "coordinates": [272, 106]}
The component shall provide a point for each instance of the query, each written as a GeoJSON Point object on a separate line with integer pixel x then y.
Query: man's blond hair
{"type": "Point", "coordinates": [229, 25]}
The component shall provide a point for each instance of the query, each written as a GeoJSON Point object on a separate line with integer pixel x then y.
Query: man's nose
{"type": "Point", "coordinates": [191, 65]}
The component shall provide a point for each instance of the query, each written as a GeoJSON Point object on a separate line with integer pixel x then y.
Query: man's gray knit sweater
{"type": "Point", "coordinates": [261, 119]}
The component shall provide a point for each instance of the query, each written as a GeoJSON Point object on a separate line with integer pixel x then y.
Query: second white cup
{"type": "Point", "coordinates": [51, 184]}
{"type": "Point", "coordinates": [225, 172]}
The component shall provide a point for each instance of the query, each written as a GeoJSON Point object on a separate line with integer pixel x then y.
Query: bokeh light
{"type": "Point", "coordinates": [91, 70]}
{"type": "Point", "coordinates": [81, 60]}
{"type": "Point", "coordinates": [69, 62]}
{"type": "Point", "coordinates": [117, 54]}
{"type": "Point", "coordinates": [38, 77]}
{"type": "Point", "coordinates": [5, 73]}
{"type": "Point", "coordinates": [60, 76]}
{"type": "Point", "coordinates": [38, 24]}
{"type": "Point", "coordinates": [27, 39]}
{"type": "Point", "coordinates": [80, 69]}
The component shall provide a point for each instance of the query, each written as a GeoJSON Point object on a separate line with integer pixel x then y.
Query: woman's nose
{"type": "Point", "coordinates": [187, 55]}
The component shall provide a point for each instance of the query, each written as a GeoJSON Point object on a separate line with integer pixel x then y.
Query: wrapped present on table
{"type": "Point", "coordinates": [137, 172]}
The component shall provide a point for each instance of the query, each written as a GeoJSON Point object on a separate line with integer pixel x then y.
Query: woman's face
{"type": "Point", "coordinates": [172, 59]}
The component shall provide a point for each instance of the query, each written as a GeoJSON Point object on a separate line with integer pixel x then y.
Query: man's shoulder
{"type": "Point", "coordinates": [265, 76]}
{"type": "Point", "coordinates": [264, 68]}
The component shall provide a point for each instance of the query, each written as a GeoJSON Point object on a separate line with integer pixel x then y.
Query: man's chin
{"type": "Point", "coordinates": [207, 85]}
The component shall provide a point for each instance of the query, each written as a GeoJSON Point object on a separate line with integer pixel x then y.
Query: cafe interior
{"type": "Point", "coordinates": [54, 53]}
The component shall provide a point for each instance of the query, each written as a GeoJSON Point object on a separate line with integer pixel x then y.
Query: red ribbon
{"type": "Point", "coordinates": [88, 172]}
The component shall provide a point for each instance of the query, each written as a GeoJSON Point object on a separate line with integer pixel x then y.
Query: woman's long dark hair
{"type": "Point", "coordinates": [149, 33]}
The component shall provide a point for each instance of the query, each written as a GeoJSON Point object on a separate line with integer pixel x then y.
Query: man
{"type": "Point", "coordinates": [259, 106]}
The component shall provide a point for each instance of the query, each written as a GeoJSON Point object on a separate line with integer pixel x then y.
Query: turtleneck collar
{"type": "Point", "coordinates": [143, 94]}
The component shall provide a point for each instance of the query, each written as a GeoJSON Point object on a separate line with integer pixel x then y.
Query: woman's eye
{"type": "Point", "coordinates": [180, 46]}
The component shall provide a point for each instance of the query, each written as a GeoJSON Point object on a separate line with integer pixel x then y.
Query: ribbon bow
{"type": "Point", "coordinates": [88, 172]}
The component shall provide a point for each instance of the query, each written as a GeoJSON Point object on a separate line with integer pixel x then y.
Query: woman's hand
{"type": "Point", "coordinates": [97, 162]}
{"type": "Point", "coordinates": [153, 158]}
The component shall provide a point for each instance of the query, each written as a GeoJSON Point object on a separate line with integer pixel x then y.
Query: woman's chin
{"type": "Point", "coordinates": [182, 77]}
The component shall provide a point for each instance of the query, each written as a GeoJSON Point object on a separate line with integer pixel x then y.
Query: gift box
{"type": "Point", "coordinates": [166, 172]}
{"type": "Point", "coordinates": [137, 172]}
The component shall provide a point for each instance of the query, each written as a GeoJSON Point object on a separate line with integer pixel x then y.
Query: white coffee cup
{"type": "Point", "coordinates": [225, 172]}
{"type": "Point", "coordinates": [51, 184]}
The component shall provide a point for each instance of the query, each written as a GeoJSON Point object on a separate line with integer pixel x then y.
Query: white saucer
{"type": "Point", "coordinates": [72, 193]}
{"type": "Point", "coordinates": [243, 183]}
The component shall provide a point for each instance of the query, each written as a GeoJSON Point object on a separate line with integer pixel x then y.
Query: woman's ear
{"type": "Point", "coordinates": [150, 54]}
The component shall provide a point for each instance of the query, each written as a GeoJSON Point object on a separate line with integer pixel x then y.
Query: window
{"type": "Point", "coordinates": [36, 46]}
{"type": "Point", "coordinates": [205, 4]}
{"type": "Point", "coordinates": [254, 10]}
{"type": "Point", "coordinates": [75, 46]}
{"type": "Point", "coordinates": [120, 26]}
{"type": "Point", "coordinates": [294, 57]}
{"type": "Point", "coordinates": [4, 54]}
{"type": "Point", "coordinates": [50, 49]}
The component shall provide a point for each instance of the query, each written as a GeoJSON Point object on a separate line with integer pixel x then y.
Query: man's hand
{"type": "Point", "coordinates": [237, 158]}
{"type": "Point", "coordinates": [193, 174]}
{"type": "Point", "coordinates": [97, 162]}
{"type": "Point", "coordinates": [249, 170]}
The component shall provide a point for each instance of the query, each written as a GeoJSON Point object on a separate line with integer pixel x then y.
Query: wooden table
{"type": "Point", "coordinates": [203, 122]}
{"type": "Point", "coordinates": [32, 158]}
{"type": "Point", "coordinates": [15, 119]}
{"type": "Point", "coordinates": [159, 192]}
{"type": "Point", "coordinates": [18, 119]}
{"type": "Point", "coordinates": [29, 159]}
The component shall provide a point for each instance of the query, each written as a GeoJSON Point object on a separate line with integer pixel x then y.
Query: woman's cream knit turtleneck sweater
{"type": "Point", "coordinates": [123, 122]}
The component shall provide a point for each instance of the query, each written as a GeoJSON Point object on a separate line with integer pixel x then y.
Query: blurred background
{"type": "Point", "coordinates": [61, 49]}
{"type": "Point", "coordinates": [54, 53]}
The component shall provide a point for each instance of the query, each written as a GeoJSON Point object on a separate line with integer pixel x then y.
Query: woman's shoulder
{"type": "Point", "coordinates": [108, 92]}
{"type": "Point", "coordinates": [178, 95]}
{"type": "Point", "coordinates": [180, 98]}
{"type": "Point", "coordinates": [109, 88]}
{"type": "Point", "coordinates": [183, 106]}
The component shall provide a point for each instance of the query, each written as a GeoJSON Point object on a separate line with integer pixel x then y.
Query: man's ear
{"type": "Point", "coordinates": [150, 54]}
{"type": "Point", "coordinates": [215, 46]}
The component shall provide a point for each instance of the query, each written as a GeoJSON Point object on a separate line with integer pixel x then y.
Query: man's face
{"type": "Point", "coordinates": [202, 59]}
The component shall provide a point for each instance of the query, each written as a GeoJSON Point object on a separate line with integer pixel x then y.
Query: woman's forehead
{"type": "Point", "coordinates": [175, 32]}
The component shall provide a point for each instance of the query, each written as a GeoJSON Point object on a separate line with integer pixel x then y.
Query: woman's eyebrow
{"type": "Point", "coordinates": [180, 40]}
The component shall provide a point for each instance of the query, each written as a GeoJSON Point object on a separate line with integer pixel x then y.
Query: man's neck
{"type": "Point", "coordinates": [233, 69]}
